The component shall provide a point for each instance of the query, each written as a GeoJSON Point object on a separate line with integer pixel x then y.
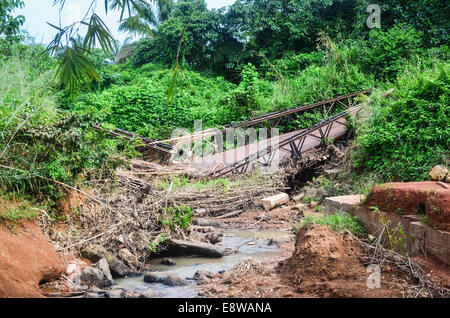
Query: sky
{"type": "Point", "coordinates": [38, 12]}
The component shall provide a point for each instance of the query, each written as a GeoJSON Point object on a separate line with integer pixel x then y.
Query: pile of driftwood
{"type": "Point", "coordinates": [127, 213]}
{"type": "Point", "coordinates": [424, 285]}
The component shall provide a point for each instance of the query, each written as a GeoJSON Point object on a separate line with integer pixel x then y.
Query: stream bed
{"type": "Point", "coordinates": [250, 244]}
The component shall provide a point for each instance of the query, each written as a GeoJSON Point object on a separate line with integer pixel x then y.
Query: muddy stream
{"type": "Point", "coordinates": [248, 243]}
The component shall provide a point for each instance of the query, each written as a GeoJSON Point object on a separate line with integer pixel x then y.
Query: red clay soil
{"type": "Point", "coordinates": [326, 264]}
{"type": "Point", "coordinates": [26, 259]}
{"type": "Point", "coordinates": [428, 198]}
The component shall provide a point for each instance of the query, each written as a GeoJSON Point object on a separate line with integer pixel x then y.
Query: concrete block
{"type": "Point", "coordinates": [343, 203]}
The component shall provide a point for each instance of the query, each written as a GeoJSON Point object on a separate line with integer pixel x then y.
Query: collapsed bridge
{"type": "Point", "coordinates": [265, 153]}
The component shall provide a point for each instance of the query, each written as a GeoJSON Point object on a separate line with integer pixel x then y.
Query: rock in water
{"type": "Point", "coordinates": [165, 279]}
{"type": "Point", "coordinates": [104, 267]}
{"type": "Point", "coordinates": [193, 248]}
{"type": "Point", "coordinates": [92, 277]}
{"type": "Point", "coordinates": [439, 173]}
{"type": "Point", "coordinates": [147, 294]}
{"type": "Point", "coordinates": [116, 293]}
{"type": "Point", "coordinates": [119, 269]}
{"type": "Point", "coordinates": [168, 261]}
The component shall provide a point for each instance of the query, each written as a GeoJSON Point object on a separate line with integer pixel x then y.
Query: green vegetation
{"type": "Point", "coordinates": [14, 209]}
{"type": "Point", "coordinates": [222, 66]}
{"type": "Point", "coordinates": [396, 237]}
{"type": "Point", "coordinates": [337, 222]}
{"type": "Point", "coordinates": [42, 145]}
{"type": "Point", "coordinates": [176, 217]}
{"type": "Point", "coordinates": [405, 138]}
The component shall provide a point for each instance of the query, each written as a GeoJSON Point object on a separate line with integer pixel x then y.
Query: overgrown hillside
{"type": "Point", "coordinates": [228, 65]}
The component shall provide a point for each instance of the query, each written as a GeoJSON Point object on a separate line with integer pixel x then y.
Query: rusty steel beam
{"type": "Point", "coordinates": [150, 143]}
{"type": "Point", "coordinates": [295, 142]}
{"type": "Point", "coordinates": [282, 113]}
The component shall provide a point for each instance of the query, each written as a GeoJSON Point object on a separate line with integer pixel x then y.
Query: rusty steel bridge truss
{"type": "Point", "coordinates": [295, 142]}
{"type": "Point", "coordinates": [327, 106]}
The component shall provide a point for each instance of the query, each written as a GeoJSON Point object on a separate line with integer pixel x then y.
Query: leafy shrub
{"type": "Point", "coordinates": [385, 53]}
{"type": "Point", "coordinates": [176, 217]}
{"type": "Point", "coordinates": [337, 222]}
{"type": "Point", "coordinates": [404, 139]}
{"type": "Point", "coordinates": [38, 141]}
{"type": "Point", "coordinates": [141, 104]}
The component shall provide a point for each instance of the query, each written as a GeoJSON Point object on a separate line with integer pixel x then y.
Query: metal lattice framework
{"type": "Point", "coordinates": [166, 149]}
{"type": "Point", "coordinates": [295, 144]}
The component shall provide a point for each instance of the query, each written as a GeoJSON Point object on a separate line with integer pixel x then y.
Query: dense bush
{"type": "Point", "coordinates": [38, 141]}
{"type": "Point", "coordinates": [384, 54]}
{"type": "Point", "coordinates": [405, 138]}
{"type": "Point", "coordinates": [141, 105]}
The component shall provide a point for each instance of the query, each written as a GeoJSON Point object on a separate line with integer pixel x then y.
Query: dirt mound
{"type": "Point", "coordinates": [26, 259]}
{"type": "Point", "coordinates": [428, 198]}
{"type": "Point", "coordinates": [326, 264]}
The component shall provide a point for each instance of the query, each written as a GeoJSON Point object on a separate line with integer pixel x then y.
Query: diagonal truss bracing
{"type": "Point", "coordinates": [295, 143]}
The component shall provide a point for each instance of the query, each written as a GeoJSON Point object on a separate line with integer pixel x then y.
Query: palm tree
{"type": "Point", "coordinates": [74, 68]}
{"type": "Point", "coordinates": [148, 15]}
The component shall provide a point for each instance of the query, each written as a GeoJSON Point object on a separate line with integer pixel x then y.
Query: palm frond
{"type": "Point", "coordinates": [98, 32]}
{"type": "Point", "coordinates": [136, 26]}
{"type": "Point", "coordinates": [74, 68]}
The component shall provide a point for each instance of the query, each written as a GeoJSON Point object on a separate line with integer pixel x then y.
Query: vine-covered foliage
{"type": "Point", "coordinates": [40, 143]}
{"type": "Point", "coordinates": [405, 138]}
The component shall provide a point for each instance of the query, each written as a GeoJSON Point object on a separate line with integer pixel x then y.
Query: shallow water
{"type": "Point", "coordinates": [250, 244]}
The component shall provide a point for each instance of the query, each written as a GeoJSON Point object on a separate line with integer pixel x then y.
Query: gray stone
{"type": "Point", "coordinates": [104, 267]}
{"type": "Point", "coordinates": [147, 294]}
{"type": "Point", "coordinates": [311, 192]}
{"type": "Point", "coordinates": [116, 293]}
{"type": "Point", "coordinates": [94, 253]}
{"type": "Point", "coordinates": [97, 290]}
{"type": "Point", "coordinates": [165, 279]}
{"type": "Point", "coordinates": [92, 277]}
{"type": "Point", "coordinates": [203, 276]}
{"type": "Point", "coordinates": [168, 261]}
{"type": "Point", "coordinates": [322, 193]}
{"type": "Point", "coordinates": [273, 242]}
{"type": "Point", "coordinates": [119, 269]}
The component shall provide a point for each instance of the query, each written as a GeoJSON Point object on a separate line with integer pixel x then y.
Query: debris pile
{"type": "Point", "coordinates": [331, 264]}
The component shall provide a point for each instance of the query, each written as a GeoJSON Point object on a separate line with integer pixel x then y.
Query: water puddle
{"type": "Point", "coordinates": [250, 244]}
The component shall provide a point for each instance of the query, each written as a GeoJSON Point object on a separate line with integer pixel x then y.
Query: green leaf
{"type": "Point", "coordinates": [74, 68]}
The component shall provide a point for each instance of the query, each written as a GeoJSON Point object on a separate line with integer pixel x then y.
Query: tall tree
{"type": "Point", "coordinates": [10, 25]}
{"type": "Point", "coordinates": [142, 21]}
